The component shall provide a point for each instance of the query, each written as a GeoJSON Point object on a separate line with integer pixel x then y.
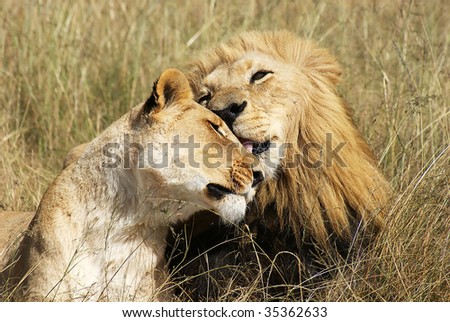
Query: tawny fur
{"type": "Point", "coordinates": [301, 98]}
{"type": "Point", "coordinates": [313, 209]}
{"type": "Point", "coordinates": [304, 103]}
{"type": "Point", "coordinates": [99, 233]}
{"type": "Point", "coordinates": [14, 224]}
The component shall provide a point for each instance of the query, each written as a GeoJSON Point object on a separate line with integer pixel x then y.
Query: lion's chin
{"type": "Point", "coordinates": [231, 209]}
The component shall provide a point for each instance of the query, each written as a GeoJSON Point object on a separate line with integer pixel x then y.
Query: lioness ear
{"type": "Point", "coordinates": [171, 86]}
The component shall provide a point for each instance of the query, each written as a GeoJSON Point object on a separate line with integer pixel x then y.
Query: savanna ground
{"type": "Point", "coordinates": [69, 68]}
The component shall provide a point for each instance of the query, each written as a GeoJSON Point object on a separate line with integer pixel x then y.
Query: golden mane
{"type": "Point", "coordinates": [316, 201]}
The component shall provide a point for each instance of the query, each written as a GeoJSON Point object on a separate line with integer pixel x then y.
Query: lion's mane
{"type": "Point", "coordinates": [305, 196]}
{"type": "Point", "coordinates": [306, 205]}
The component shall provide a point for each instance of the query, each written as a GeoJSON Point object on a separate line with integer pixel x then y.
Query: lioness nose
{"type": "Point", "coordinates": [231, 112]}
{"type": "Point", "coordinates": [257, 177]}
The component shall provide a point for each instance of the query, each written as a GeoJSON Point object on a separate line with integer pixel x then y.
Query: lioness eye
{"type": "Point", "coordinates": [204, 99]}
{"type": "Point", "coordinates": [259, 75]}
{"type": "Point", "coordinates": [216, 128]}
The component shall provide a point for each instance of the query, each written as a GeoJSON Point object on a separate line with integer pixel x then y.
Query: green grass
{"type": "Point", "coordinates": [68, 69]}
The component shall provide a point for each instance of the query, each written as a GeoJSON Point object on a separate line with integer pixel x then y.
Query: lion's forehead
{"type": "Point", "coordinates": [239, 72]}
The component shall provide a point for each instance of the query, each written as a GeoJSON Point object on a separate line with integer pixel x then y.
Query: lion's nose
{"type": "Point", "coordinates": [258, 176]}
{"type": "Point", "coordinates": [231, 112]}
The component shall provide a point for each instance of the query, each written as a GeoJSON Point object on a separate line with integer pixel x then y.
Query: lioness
{"type": "Point", "coordinates": [99, 231]}
{"type": "Point", "coordinates": [325, 198]}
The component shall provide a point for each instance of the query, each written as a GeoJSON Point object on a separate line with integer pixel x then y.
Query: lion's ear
{"type": "Point", "coordinates": [171, 86]}
{"type": "Point", "coordinates": [316, 61]}
{"type": "Point", "coordinates": [326, 65]}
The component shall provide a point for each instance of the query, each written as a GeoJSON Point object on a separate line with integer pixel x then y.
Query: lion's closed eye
{"type": "Point", "coordinates": [259, 75]}
{"type": "Point", "coordinates": [204, 99]}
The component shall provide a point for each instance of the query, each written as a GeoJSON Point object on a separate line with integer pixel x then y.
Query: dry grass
{"type": "Point", "coordinates": [70, 68]}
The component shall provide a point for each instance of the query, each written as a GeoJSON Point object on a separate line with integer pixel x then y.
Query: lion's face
{"type": "Point", "coordinates": [278, 94]}
{"type": "Point", "coordinates": [194, 154]}
{"type": "Point", "coordinates": [253, 96]}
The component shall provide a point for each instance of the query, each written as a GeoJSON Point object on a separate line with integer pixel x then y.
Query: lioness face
{"type": "Point", "coordinates": [194, 155]}
{"type": "Point", "coordinates": [250, 95]}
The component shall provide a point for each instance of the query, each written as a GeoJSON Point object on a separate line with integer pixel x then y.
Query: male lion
{"type": "Point", "coordinates": [99, 230]}
{"type": "Point", "coordinates": [324, 193]}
